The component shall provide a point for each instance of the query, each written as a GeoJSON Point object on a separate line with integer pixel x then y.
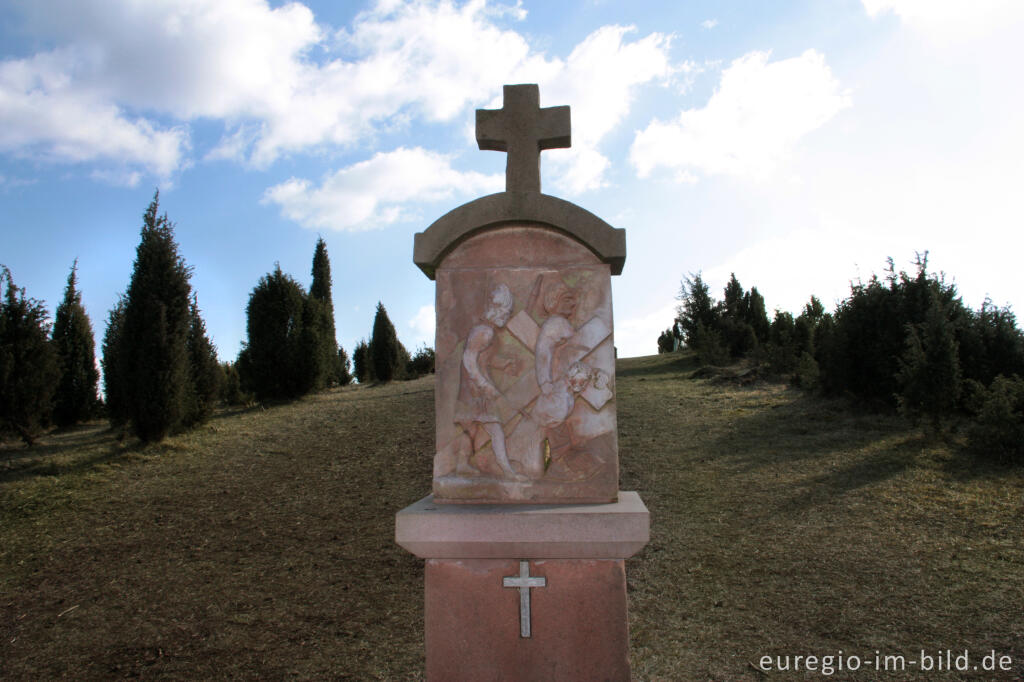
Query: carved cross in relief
{"type": "Point", "coordinates": [523, 129]}
{"type": "Point", "coordinates": [524, 581]}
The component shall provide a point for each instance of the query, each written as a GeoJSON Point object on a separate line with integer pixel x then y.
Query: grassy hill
{"type": "Point", "coordinates": [261, 545]}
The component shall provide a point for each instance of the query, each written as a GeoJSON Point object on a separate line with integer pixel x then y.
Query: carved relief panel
{"type": "Point", "coordinates": [525, 392]}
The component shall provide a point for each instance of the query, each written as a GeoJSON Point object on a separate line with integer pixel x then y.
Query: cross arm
{"type": "Point", "coordinates": [554, 128]}
{"type": "Point", "coordinates": [490, 133]}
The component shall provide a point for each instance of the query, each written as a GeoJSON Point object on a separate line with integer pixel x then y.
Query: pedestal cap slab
{"type": "Point", "coordinates": [556, 531]}
{"type": "Point", "coordinates": [494, 210]}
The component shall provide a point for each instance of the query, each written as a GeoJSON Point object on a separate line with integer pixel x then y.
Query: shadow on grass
{"type": "Point", "coordinates": [886, 463]}
{"type": "Point", "coordinates": [47, 467]}
{"type": "Point", "coordinates": [843, 448]}
{"type": "Point", "coordinates": [806, 427]}
{"type": "Point", "coordinates": [237, 410]}
{"type": "Point", "coordinates": [51, 446]}
{"type": "Point", "coordinates": [68, 451]}
{"type": "Point", "coordinates": [968, 464]}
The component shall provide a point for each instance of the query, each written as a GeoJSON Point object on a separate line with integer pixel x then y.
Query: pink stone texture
{"type": "Point", "coordinates": [579, 628]}
{"type": "Point", "coordinates": [525, 389]}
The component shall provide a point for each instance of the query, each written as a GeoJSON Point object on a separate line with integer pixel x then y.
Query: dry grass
{"type": "Point", "coordinates": [261, 545]}
{"type": "Point", "coordinates": [785, 524]}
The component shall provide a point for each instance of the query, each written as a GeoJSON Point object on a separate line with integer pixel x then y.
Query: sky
{"type": "Point", "coordinates": [795, 144]}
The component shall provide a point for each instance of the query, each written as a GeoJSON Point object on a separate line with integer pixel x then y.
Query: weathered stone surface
{"type": "Point", "coordinates": [523, 129]}
{"type": "Point", "coordinates": [558, 531]}
{"type": "Point", "coordinates": [579, 628]}
{"type": "Point", "coordinates": [524, 394]}
{"type": "Point", "coordinates": [430, 247]}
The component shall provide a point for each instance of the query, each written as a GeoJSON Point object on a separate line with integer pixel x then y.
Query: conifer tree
{"type": "Point", "coordinates": [231, 384]}
{"type": "Point", "coordinates": [362, 367]}
{"type": "Point", "coordinates": [782, 351]}
{"type": "Point", "coordinates": [733, 298]}
{"type": "Point", "coordinates": [272, 363]}
{"type": "Point", "coordinates": [666, 342]}
{"type": "Point", "coordinates": [29, 368]}
{"type": "Point", "coordinates": [737, 333]}
{"type": "Point", "coordinates": [814, 311]}
{"type": "Point", "coordinates": [155, 332]}
{"type": "Point", "coordinates": [114, 371]}
{"type": "Point", "coordinates": [697, 309]}
{"type": "Point", "coordinates": [343, 367]}
{"type": "Point", "coordinates": [73, 342]}
{"type": "Point", "coordinates": [321, 341]}
{"type": "Point", "coordinates": [204, 370]}
{"type": "Point", "coordinates": [756, 314]}
{"type": "Point", "coordinates": [929, 374]}
{"type": "Point", "coordinates": [385, 350]}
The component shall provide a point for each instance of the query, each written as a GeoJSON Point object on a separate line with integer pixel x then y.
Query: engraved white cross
{"type": "Point", "coordinates": [524, 581]}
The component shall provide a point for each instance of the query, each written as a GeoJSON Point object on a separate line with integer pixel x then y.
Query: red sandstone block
{"type": "Point", "coordinates": [579, 627]}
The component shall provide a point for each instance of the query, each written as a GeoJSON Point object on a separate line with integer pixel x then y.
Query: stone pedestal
{"type": "Point", "coordinates": [577, 621]}
{"type": "Point", "coordinates": [526, 533]}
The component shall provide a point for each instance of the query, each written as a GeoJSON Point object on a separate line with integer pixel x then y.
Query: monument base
{"type": "Point", "coordinates": [578, 628]}
{"type": "Point", "coordinates": [526, 592]}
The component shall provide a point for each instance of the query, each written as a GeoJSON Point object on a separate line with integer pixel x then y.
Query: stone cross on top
{"type": "Point", "coordinates": [523, 129]}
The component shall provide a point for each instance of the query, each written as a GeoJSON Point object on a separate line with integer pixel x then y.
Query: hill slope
{"type": "Point", "coordinates": [262, 544]}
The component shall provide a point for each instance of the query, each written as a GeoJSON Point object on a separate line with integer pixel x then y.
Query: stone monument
{"type": "Point", "coordinates": [526, 532]}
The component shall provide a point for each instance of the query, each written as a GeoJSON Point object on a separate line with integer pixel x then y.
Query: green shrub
{"type": "Point", "coordinates": [342, 368]}
{"type": "Point", "coordinates": [231, 392]}
{"type": "Point", "coordinates": [422, 362]}
{"type": "Point", "coordinates": [998, 429]}
{"type": "Point", "coordinates": [807, 372]}
{"type": "Point", "coordinates": [274, 362]}
{"type": "Point", "coordinates": [707, 343]}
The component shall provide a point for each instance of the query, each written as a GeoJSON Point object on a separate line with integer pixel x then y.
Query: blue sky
{"type": "Point", "coordinates": [797, 144]}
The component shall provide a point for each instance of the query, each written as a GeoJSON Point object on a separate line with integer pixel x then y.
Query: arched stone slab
{"type": "Point", "coordinates": [494, 210]}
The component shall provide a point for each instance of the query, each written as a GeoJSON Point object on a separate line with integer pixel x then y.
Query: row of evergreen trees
{"type": "Point", "coordinates": [160, 369]}
{"type": "Point", "coordinates": [902, 341]}
{"type": "Point", "coordinates": [47, 374]}
{"type": "Point", "coordinates": [384, 358]}
{"type": "Point", "coordinates": [290, 347]}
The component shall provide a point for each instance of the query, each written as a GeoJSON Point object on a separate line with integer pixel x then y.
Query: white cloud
{"type": "Point", "coordinates": [189, 59]}
{"type": "Point", "coordinates": [377, 192]}
{"type": "Point", "coordinates": [422, 325]}
{"type": "Point", "coordinates": [598, 80]}
{"type": "Point", "coordinates": [231, 58]}
{"type": "Point", "coordinates": [41, 114]}
{"type": "Point", "coordinates": [950, 21]}
{"type": "Point", "coordinates": [281, 83]}
{"type": "Point", "coordinates": [708, 24]}
{"type": "Point", "coordinates": [782, 266]}
{"type": "Point", "coordinates": [637, 336]}
{"type": "Point", "coordinates": [751, 123]}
